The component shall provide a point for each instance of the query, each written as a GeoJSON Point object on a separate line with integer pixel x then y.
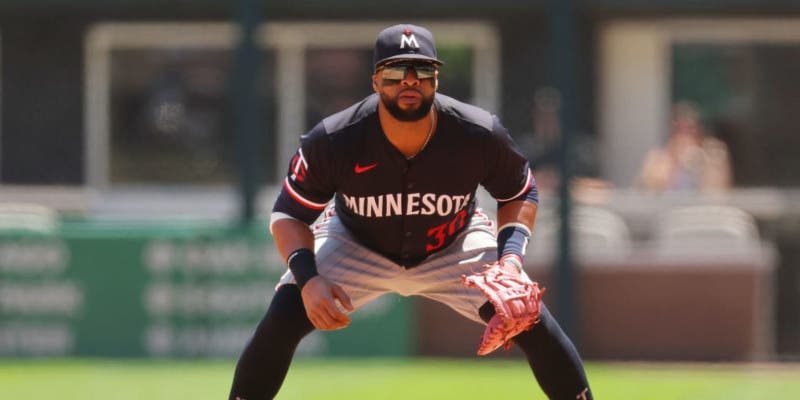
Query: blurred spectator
{"type": "Point", "coordinates": [690, 160]}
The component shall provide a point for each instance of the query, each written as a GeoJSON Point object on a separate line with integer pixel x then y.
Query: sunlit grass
{"type": "Point", "coordinates": [386, 379]}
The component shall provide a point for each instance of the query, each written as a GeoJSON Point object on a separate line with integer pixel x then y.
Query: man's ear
{"type": "Point", "coordinates": [375, 83]}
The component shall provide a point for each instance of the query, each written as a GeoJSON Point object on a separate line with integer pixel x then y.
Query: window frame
{"type": "Point", "coordinates": [635, 97]}
{"type": "Point", "coordinates": [290, 41]}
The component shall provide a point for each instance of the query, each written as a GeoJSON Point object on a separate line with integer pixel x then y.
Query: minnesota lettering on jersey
{"type": "Point", "coordinates": [388, 205]}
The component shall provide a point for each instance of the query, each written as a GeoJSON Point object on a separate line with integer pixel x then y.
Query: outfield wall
{"type": "Point", "coordinates": [122, 289]}
{"type": "Point", "coordinates": [115, 288]}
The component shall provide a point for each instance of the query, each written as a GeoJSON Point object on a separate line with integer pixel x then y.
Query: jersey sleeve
{"type": "Point", "coordinates": [309, 183]}
{"type": "Point", "coordinates": [508, 173]}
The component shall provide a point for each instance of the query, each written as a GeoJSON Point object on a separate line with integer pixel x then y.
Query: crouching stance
{"type": "Point", "coordinates": [402, 167]}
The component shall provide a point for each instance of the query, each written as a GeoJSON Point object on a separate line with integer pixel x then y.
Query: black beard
{"type": "Point", "coordinates": [408, 115]}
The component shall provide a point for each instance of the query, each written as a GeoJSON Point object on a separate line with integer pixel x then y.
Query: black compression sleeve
{"type": "Point", "coordinates": [303, 266]}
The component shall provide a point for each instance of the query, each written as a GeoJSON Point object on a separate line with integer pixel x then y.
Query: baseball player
{"type": "Point", "coordinates": [402, 167]}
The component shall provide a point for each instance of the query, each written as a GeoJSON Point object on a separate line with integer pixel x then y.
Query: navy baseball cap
{"type": "Point", "coordinates": [404, 42]}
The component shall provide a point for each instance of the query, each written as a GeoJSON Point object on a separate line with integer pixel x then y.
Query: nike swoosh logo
{"type": "Point", "coordinates": [360, 169]}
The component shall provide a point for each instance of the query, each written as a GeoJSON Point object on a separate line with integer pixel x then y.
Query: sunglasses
{"type": "Point", "coordinates": [397, 72]}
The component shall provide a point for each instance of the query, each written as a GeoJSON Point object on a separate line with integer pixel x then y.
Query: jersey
{"type": "Point", "coordinates": [404, 209]}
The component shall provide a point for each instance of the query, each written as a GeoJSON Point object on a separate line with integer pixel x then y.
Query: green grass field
{"type": "Point", "coordinates": [387, 379]}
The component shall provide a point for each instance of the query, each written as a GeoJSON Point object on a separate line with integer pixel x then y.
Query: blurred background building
{"type": "Point", "coordinates": [119, 169]}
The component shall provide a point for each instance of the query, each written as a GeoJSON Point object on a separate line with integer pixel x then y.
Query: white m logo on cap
{"type": "Point", "coordinates": [410, 40]}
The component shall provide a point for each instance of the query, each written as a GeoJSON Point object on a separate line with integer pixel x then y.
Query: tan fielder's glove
{"type": "Point", "coordinates": [516, 300]}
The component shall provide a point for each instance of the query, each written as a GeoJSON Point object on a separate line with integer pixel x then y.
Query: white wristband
{"type": "Point", "coordinates": [512, 259]}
